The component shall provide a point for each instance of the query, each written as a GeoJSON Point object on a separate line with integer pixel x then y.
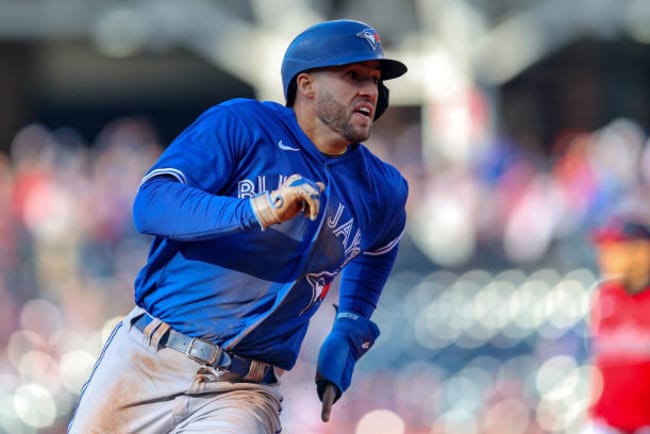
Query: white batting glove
{"type": "Point", "coordinates": [296, 194]}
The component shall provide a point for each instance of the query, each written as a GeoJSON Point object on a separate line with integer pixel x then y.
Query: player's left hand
{"type": "Point", "coordinates": [351, 337]}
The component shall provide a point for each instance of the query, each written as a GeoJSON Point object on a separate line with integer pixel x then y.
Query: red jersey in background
{"type": "Point", "coordinates": [620, 331]}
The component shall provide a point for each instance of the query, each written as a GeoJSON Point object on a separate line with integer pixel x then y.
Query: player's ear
{"type": "Point", "coordinates": [305, 84]}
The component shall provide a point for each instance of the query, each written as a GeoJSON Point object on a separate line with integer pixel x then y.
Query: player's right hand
{"type": "Point", "coordinates": [296, 194]}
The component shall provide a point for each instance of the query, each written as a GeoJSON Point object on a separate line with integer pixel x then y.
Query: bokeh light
{"type": "Point", "coordinates": [380, 422]}
{"type": "Point", "coordinates": [35, 405]}
{"type": "Point", "coordinates": [484, 320]}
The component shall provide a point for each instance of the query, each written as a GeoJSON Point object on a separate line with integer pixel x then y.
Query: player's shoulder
{"type": "Point", "coordinates": [608, 288]}
{"type": "Point", "coordinates": [610, 284]}
{"type": "Point", "coordinates": [250, 106]}
{"type": "Point", "coordinates": [384, 173]}
{"type": "Point", "coordinates": [246, 109]}
{"type": "Point", "coordinates": [387, 192]}
{"type": "Point", "coordinates": [243, 114]}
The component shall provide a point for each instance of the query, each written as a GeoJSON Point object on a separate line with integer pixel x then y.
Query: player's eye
{"type": "Point", "coordinates": [357, 77]}
{"type": "Point", "coordinates": [353, 75]}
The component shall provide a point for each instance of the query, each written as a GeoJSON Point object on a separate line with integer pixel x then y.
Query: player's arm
{"type": "Point", "coordinates": [353, 333]}
{"type": "Point", "coordinates": [362, 282]}
{"type": "Point", "coordinates": [164, 206]}
{"type": "Point", "coordinates": [176, 196]}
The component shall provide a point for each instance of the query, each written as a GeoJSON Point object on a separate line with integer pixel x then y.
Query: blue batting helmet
{"type": "Point", "coordinates": [337, 43]}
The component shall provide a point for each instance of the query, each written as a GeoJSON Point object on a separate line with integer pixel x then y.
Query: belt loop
{"type": "Point", "coordinates": [158, 334]}
{"type": "Point", "coordinates": [149, 330]}
{"type": "Point", "coordinates": [256, 371]}
{"type": "Point", "coordinates": [132, 317]}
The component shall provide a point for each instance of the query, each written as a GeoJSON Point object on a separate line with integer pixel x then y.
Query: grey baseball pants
{"type": "Point", "coordinates": [139, 387]}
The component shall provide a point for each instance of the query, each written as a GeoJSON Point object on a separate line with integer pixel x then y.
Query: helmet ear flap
{"type": "Point", "coordinates": [382, 100]}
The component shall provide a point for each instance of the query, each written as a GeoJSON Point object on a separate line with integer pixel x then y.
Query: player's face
{"type": "Point", "coordinates": [346, 99]}
{"type": "Point", "coordinates": [629, 261]}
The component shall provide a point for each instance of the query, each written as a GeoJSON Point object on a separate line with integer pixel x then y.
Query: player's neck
{"type": "Point", "coordinates": [326, 141]}
{"type": "Point", "coordinates": [331, 149]}
{"type": "Point", "coordinates": [636, 283]}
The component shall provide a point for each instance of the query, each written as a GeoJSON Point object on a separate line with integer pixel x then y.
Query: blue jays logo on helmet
{"type": "Point", "coordinates": [371, 36]}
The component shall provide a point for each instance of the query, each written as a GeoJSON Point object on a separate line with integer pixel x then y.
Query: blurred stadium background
{"type": "Point", "coordinates": [520, 126]}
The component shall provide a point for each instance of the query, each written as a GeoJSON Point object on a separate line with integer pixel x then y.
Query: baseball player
{"type": "Point", "coordinates": [254, 209]}
{"type": "Point", "coordinates": [620, 330]}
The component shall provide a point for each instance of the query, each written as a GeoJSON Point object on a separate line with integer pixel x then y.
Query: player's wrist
{"type": "Point", "coordinates": [248, 217]}
{"type": "Point", "coordinates": [263, 210]}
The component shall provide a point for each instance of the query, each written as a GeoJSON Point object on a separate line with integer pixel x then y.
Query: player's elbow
{"type": "Point", "coordinates": [141, 212]}
{"type": "Point", "coordinates": [146, 209]}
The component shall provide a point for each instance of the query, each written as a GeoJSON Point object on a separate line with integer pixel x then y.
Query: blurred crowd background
{"type": "Point", "coordinates": [520, 127]}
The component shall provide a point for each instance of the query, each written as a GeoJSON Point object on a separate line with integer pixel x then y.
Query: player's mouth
{"type": "Point", "coordinates": [364, 110]}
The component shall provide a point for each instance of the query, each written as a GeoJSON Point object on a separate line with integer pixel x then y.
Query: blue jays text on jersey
{"type": "Point", "coordinates": [213, 273]}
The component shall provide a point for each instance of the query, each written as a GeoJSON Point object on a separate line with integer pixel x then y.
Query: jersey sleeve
{"type": "Point", "coordinates": [205, 155]}
{"type": "Point", "coordinates": [165, 207]}
{"type": "Point", "coordinates": [182, 195]}
{"type": "Point", "coordinates": [363, 280]}
{"type": "Point", "coordinates": [392, 220]}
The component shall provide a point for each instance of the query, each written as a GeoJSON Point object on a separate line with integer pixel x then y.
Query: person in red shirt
{"type": "Point", "coordinates": [620, 330]}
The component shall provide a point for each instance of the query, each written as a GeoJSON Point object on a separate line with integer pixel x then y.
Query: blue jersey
{"type": "Point", "coordinates": [213, 273]}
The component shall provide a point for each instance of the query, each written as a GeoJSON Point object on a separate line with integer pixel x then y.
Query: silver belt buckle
{"type": "Point", "coordinates": [195, 353]}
